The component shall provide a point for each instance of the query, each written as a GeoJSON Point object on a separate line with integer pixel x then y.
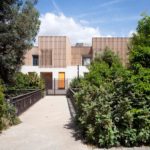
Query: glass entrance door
{"type": "Point", "coordinates": [61, 80]}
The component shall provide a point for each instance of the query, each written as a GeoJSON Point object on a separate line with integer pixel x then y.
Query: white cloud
{"type": "Point", "coordinates": [52, 24]}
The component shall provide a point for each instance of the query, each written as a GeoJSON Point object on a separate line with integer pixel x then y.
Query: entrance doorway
{"type": "Point", "coordinates": [54, 86]}
{"type": "Point", "coordinates": [48, 79]}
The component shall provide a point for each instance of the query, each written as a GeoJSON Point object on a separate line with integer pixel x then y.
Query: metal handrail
{"type": "Point", "coordinates": [24, 101]}
{"type": "Point", "coordinates": [72, 91]}
{"type": "Point", "coordinates": [15, 92]}
{"type": "Point", "coordinates": [22, 95]}
{"type": "Point", "coordinates": [71, 96]}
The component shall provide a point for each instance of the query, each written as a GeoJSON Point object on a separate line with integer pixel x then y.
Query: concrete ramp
{"type": "Point", "coordinates": [45, 126]}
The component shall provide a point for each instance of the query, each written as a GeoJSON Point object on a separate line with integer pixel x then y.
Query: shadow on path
{"type": "Point", "coordinates": [71, 124]}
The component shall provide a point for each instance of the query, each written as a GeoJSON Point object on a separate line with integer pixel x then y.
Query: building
{"type": "Point", "coordinates": [57, 62]}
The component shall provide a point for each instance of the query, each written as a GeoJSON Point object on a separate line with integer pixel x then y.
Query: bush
{"type": "Point", "coordinates": [94, 116]}
{"type": "Point", "coordinates": [24, 83]}
{"type": "Point", "coordinates": [94, 101]}
{"type": "Point", "coordinates": [2, 106]}
{"type": "Point", "coordinates": [75, 83]}
{"type": "Point", "coordinates": [78, 83]}
{"type": "Point", "coordinates": [28, 81]}
{"type": "Point", "coordinates": [7, 111]}
{"type": "Point", "coordinates": [113, 107]}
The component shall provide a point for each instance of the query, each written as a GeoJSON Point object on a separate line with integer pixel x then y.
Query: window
{"type": "Point", "coordinates": [86, 60]}
{"type": "Point", "coordinates": [35, 60]}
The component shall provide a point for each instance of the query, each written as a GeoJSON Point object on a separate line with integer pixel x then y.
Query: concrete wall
{"type": "Point", "coordinates": [70, 72]}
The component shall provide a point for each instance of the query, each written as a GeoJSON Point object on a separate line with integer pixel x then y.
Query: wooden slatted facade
{"type": "Point", "coordinates": [46, 58]}
{"type": "Point", "coordinates": [56, 51]}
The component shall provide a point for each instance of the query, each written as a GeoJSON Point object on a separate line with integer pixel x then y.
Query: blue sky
{"type": "Point", "coordinates": [96, 17]}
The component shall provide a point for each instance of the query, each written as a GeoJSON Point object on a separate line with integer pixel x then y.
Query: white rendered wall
{"type": "Point", "coordinates": [70, 71]}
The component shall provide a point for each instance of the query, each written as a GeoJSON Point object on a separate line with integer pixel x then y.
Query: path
{"type": "Point", "coordinates": [45, 126]}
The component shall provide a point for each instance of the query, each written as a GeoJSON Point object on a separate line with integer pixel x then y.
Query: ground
{"type": "Point", "coordinates": [47, 125]}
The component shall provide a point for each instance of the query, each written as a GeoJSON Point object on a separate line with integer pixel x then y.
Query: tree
{"type": "Point", "coordinates": [140, 79]}
{"type": "Point", "coordinates": [106, 66]}
{"type": "Point", "coordinates": [19, 24]}
{"type": "Point", "coordinates": [140, 45]}
{"type": "Point", "coordinates": [140, 58]}
{"type": "Point", "coordinates": [94, 100]}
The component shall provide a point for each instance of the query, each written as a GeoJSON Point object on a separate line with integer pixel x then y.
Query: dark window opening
{"type": "Point", "coordinates": [35, 60]}
{"type": "Point", "coordinates": [86, 60]}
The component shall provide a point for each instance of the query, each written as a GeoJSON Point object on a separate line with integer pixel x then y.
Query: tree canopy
{"type": "Point", "coordinates": [19, 24]}
{"type": "Point", "coordinates": [140, 45]}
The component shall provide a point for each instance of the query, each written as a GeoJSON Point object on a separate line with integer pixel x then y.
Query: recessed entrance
{"type": "Point", "coordinates": [48, 79]}
{"type": "Point", "coordinates": [55, 86]}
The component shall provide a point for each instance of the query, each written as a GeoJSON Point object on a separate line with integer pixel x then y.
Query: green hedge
{"type": "Point", "coordinates": [28, 81]}
{"type": "Point", "coordinates": [113, 104]}
{"type": "Point", "coordinates": [24, 83]}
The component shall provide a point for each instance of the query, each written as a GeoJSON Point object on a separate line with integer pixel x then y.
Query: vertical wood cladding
{"type": "Point", "coordinates": [118, 45]}
{"type": "Point", "coordinates": [46, 58]}
{"type": "Point", "coordinates": [56, 51]}
{"type": "Point", "coordinates": [77, 52]}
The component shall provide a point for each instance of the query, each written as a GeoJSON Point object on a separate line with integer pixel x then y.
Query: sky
{"type": "Point", "coordinates": [81, 20]}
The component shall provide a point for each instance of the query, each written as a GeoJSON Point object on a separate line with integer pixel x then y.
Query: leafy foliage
{"type": "Point", "coordinates": [7, 112]}
{"type": "Point", "coordinates": [78, 83]}
{"type": "Point", "coordinates": [113, 107]}
{"type": "Point", "coordinates": [140, 45]}
{"type": "Point", "coordinates": [19, 25]}
{"type": "Point", "coordinates": [28, 81]}
{"type": "Point", "coordinates": [24, 83]}
{"type": "Point", "coordinates": [94, 116]}
{"type": "Point", "coordinates": [94, 100]}
{"type": "Point", "coordinates": [75, 83]}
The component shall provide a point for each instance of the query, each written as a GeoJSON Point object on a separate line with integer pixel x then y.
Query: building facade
{"type": "Point", "coordinates": [55, 59]}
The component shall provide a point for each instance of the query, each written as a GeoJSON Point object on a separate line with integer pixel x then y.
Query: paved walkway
{"type": "Point", "coordinates": [45, 126]}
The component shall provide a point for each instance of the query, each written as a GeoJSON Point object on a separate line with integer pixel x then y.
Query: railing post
{"type": "Point", "coordinates": [54, 85]}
